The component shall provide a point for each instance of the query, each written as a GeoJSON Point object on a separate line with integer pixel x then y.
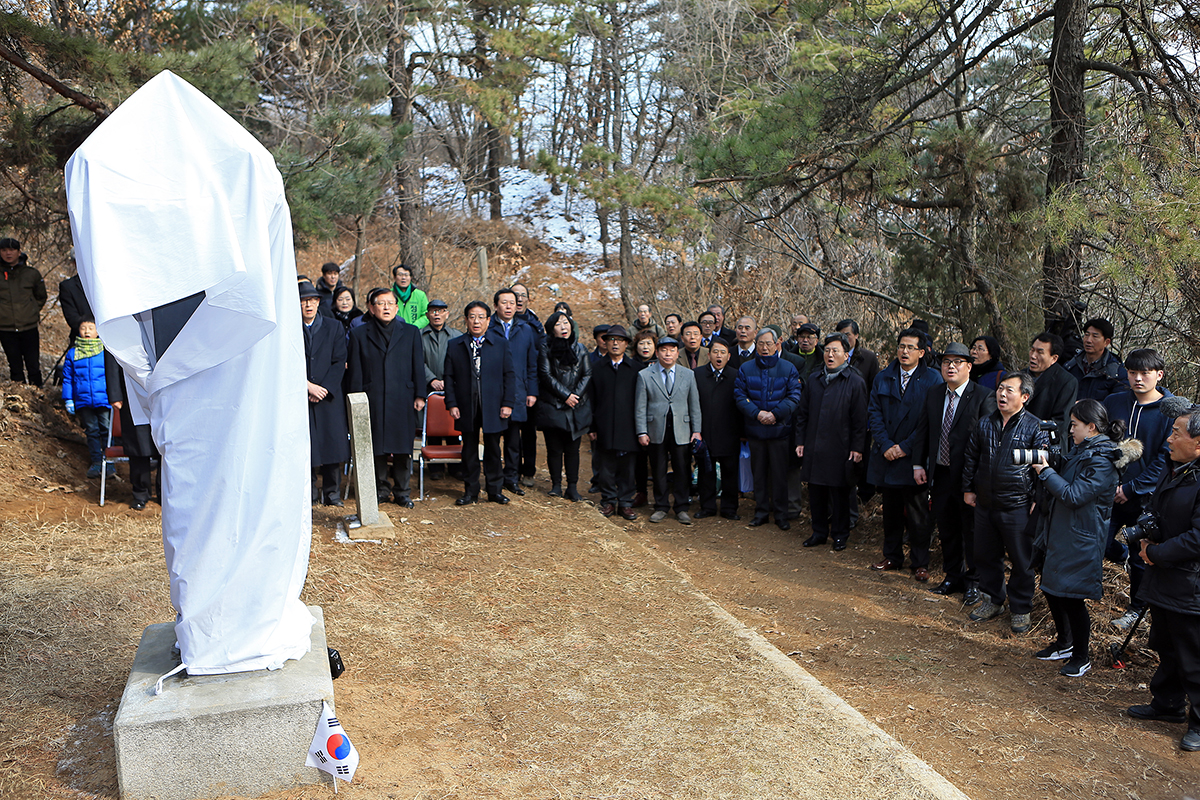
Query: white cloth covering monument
{"type": "Point", "coordinates": [184, 245]}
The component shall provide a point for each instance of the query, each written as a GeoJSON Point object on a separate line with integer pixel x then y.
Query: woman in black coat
{"type": "Point", "coordinates": [344, 309]}
{"type": "Point", "coordinates": [1074, 530]}
{"type": "Point", "coordinates": [565, 404]}
{"type": "Point", "coordinates": [325, 352]}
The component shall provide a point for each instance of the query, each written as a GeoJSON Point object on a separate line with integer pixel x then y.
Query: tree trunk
{"type": "Point", "coordinates": [1061, 262]}
{"type": "Point", "coordinates": [625, 260]}
{"type": "Point", "coordinates": [408, 172]}
{"type": "Point", "coordinates": [492, 176]}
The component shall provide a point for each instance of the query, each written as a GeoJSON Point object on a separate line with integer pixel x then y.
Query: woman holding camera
{"type": "Point", "coordinates": [1074, 532]}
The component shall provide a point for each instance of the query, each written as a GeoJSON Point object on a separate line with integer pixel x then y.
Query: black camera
{"type": "Point", "coordinates": [1146, 527]}
{"type": "Point", "coordinates": [1052, 454]}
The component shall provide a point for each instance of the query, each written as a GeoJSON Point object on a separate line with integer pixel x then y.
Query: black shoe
{"type": "Point", "coordinates": [555, 491]}
{"type": "Point", "coordinates": [948, 587]}
{"type": "Point", "coordinates": [572, 494]}
{"type": "Point", "coordinates": [465, 500]}
{"type": "Point", "coordinates": [498, 498]}
{"type": "Point", "coordinates": [514, 489]}
{"type": "Point", "coordinates": [404, 501]}
{"type": "Point", "coordinates": [593, 489]}
{"type": "Point", "coordinates": [734, 517]}
{"type": "Point", "coordinates": [783, 525]}
{"type": "Point", "coordinates": [971, 596]}
{"type": "Point", "coordinates": [839, 545]}
{"type": "Point", "coordinates": [1154, 713]}
{"type": "Point", "coordinates": [137, 505]}
{"type": "Point", "coordinates": [815, 540]}
{"type": "Point", "coordinates": [703, 514]}
{"type": "Point", "coordinates": [1190, 741]}
{"type": "Point", "coordinates": [757, 521]}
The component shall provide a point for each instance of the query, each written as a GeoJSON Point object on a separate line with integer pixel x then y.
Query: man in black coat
{"type": "Point", "coordinates": [830, 435]}
{"type": "Point", "coordinates": [721, 431]}
{"type": "Point", "coordinates": [939, 452]}
{"type": "Point", "coordinates": [325, 357]}
{"type": "Point", "coordinates": [136, 440]}
{"type": "Point", "coordinates": [1172, 557]}
{"type": "Point", "coordinates": [331, 279]}
{"type": "Point", "coordinates": [1098, 371]}
{"type": "Point", "coordinates": [614, 430]}
{"type": "Point", "coordinates": [745, 336]}
{"type": "Point", "coordinates": [74, 303]}
{"type": "Point", "coordinates": [386, 363]}
{"type": "Point", "coordinates": [481, 392]}
{"type": "Point", "coordinates": [867, 364]}
{"type": "Point", "coordinates": [1056, 389]}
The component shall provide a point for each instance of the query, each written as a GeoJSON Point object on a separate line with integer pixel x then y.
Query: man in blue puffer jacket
{"type": "Point", "coordinates": [86, 394]}
{"type": "Point", "coordinates": [767, 392]}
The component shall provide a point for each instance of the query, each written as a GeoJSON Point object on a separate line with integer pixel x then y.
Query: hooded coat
{"type": "Point", "coordinates": [1074, 527]}
{"type": "Point", "coordinates": [22, 295]}
{"type": "Point", "coordinates": [1147, 423]}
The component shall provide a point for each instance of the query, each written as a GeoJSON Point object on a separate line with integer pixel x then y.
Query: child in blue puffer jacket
{"type": "Point", "coordinates": [85, 393]}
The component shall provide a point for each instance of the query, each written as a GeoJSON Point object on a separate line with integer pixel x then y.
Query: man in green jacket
{"type": "Point", "coordinates": [22, 295]}
{"type": "Point", "coordinates": [414, 305]}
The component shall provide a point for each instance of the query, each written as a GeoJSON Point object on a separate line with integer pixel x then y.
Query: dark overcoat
{"type": "Point", "coordinates": [523, 344]}
{"type": "Point", "coordinates": [497, 382]}
{"type": "Point", "coordinates": [558, 382]}
{"type": "Point", "coordinates": [613, 394]}
{"type": "Point", "coordinates": [894, 418]}
{"type": "Point", "coordinates": [74, 302]}
{"type": "Point", "coordinates": [831, 421]}
{"type": "Point", "coordinates": [135, 438]}
{"type": "Point", "coordinates": [325, 356]}
{"type": "Point", "coordinates": [1054, 393]}
{"type": "Point", "coordinates": [721, 422]}
{"type": "Point", "coordinates": [391, 371]}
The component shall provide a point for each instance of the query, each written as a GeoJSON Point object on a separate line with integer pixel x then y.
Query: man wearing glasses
{"type": "Point", "coordinates": [940, 450]}
{"type": "Point", "coordinates": [897, 401]}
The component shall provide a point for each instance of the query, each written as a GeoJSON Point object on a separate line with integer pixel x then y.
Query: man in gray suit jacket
{"type": "Point", "coordinates": [667, 418]}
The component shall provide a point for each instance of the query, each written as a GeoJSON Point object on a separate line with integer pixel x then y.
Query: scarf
{"type": "Point", "coordinates": [405, 293]}
{"type": "Point", "coordinates": [86, 348]}
{"type": "Point", "coordinates": [384, 328]}
{"type": "Point", "coordinates": [830, 374]}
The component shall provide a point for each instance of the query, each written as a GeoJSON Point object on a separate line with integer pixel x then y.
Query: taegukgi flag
{"type": "Point", "coordinates": [331, 750]}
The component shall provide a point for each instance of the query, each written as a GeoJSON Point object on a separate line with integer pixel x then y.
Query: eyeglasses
{"type": "Point", "coordinates": [904, 348]}
{"type": "Point", "coordinates": [954, 363]}
{"type": "Point", "coordinates": [384, 304]}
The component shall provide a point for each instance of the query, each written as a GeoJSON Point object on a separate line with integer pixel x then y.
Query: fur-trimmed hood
{"type": "Point", "coordinates": [1127, 451]}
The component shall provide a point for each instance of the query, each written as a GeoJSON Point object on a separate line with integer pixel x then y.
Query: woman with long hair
{"type": "Point", "coordinates": [565, 403]}
{"type": "Point", "coordinates": [986, 369]}
{"type": "Point", "coordinates": [1074, 531]}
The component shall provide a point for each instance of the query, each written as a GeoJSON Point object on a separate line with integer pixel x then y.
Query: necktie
{"type": "Point", "coordinates": [669, 379]}
{"type": "Point", "coordinates": [476, 347]}
{"type": "Point", "coordinates": [904, 383]}
{"type": "Point", "coordinates": [717, 375]}
{"type": "Point", "coordinates": [947, 423]}
{"type": "Point", "coordinates": [507, 327]}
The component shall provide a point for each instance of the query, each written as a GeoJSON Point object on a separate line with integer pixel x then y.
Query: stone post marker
{"type": "Point", "coordinates": [481, 258]}
{"type": "Point", "coordinates": [368, 523]}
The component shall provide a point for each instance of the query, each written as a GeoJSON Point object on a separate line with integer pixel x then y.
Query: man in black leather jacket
{"type": "Point", "coordinates": [1002, 494]}
{"type": "Point", "coordinates": [1172, 583]}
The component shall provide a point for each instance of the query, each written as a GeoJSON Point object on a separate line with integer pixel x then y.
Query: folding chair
{"type": "Point", "coordinates": [112, 453]}
{"type": "Point", "coordinates": [438, 422]}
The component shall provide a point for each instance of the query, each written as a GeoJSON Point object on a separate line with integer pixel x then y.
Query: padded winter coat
{"type": "Point", "coordinates": [767, 384]}
{"type": "Point", "coordinates": [1173, 580]}
{"type": "Point", "coordinates": [83, 381]}
{"type": "Point", "coordinates": [22, 295]}
{"type": "Point", "coordinates": [989, 471]}
{"type": "Point", "coordinates": [1073, 531]}
{"type": "Point", "coordinates": [559, 381]}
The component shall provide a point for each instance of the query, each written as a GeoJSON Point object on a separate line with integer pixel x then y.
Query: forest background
{"type": "Point", "coordinates": [991, 166]}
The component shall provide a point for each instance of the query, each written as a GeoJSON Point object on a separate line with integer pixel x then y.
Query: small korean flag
{"type": "Point", "coordinates": [331, 750]}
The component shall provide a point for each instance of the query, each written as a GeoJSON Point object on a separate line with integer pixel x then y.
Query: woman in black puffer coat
{"type": "Point", "coordinates": [565, 402]}
{"type": "Point", "coordinates": [1074, 531]}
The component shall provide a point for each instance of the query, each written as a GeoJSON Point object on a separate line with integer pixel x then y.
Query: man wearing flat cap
{"type": "Point", "coordinates": [939, 454]}
{"type": "Point", "coordinates": [667, 417]}
{"type": "Point", "coordinates": [614, 431]}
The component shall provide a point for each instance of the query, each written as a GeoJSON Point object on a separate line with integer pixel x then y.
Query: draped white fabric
{"type": "Point", "coordinates": [168, 198]}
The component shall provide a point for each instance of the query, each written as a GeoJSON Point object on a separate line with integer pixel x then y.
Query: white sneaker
{"type": "Point", "coordinates": [1125, 621]}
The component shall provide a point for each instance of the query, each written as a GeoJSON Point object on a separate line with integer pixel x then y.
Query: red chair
{"type": "Point", "coordinates": [112, 453]}
{"type": "Point", "coordinates": [438, 422]}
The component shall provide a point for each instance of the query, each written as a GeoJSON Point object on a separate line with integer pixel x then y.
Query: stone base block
{"type": "Point", "coordinates": [381, 528]}
{"type": "Point", "coordinates": [242, 734]}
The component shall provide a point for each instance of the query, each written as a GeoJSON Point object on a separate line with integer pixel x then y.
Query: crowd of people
{"type": "Point", "coordinates": [1026, 471]}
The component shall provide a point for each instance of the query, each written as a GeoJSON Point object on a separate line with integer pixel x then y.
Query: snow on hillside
{"type": "Point", "coordinates": [566, 222]}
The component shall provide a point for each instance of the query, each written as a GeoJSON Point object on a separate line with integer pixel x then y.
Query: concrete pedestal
{"type": "Point", "coordinates": [369, 523]}
{"type": "Point", "coordinates": [242, 734]}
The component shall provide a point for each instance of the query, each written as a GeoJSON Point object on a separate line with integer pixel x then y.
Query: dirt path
{"type": "Point", "coordinates": [968, 698]}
